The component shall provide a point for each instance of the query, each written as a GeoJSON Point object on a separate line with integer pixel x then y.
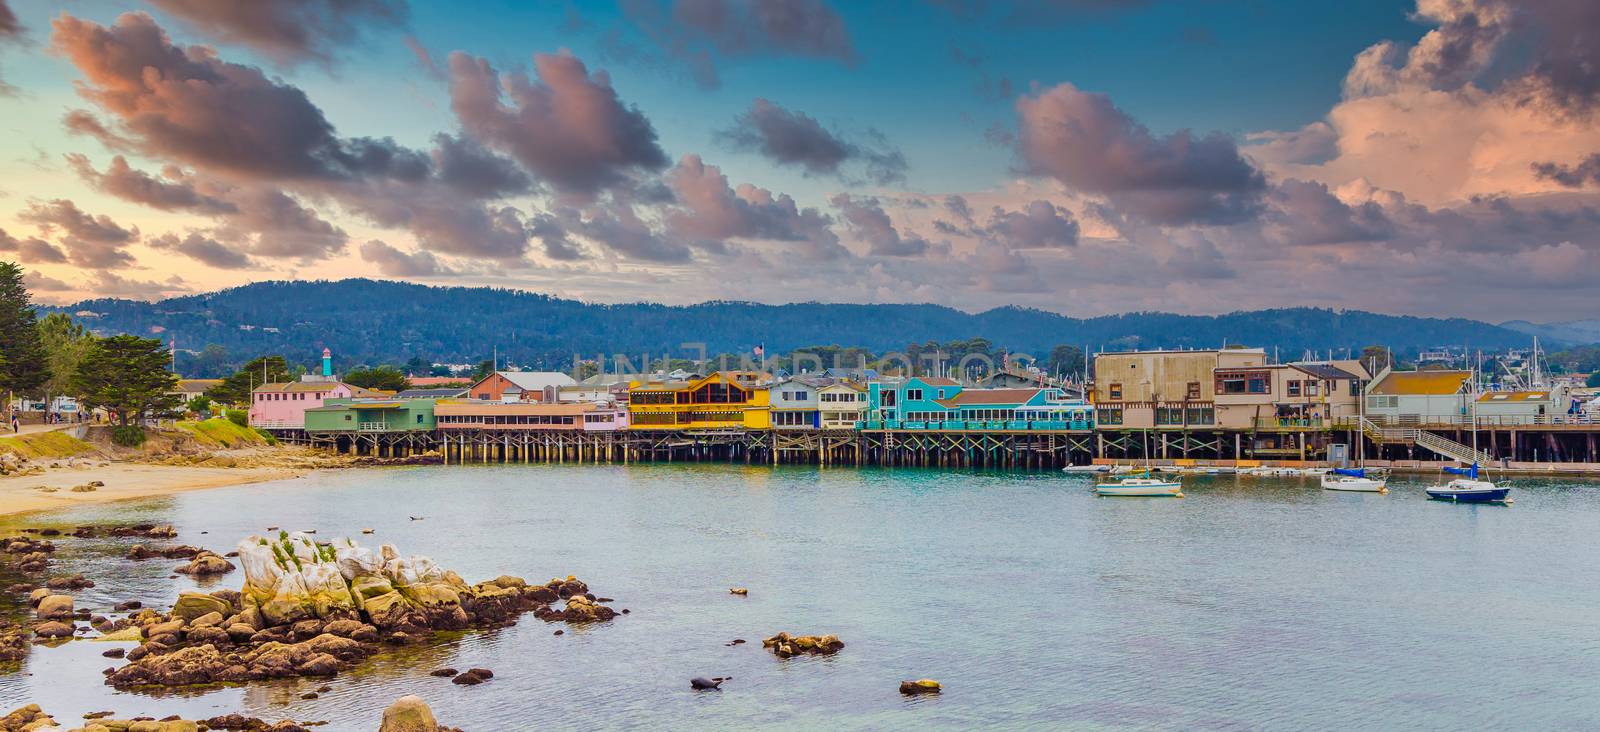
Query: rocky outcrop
{"type": "Point", "coordinates": [182, 551]}
{"type": "Point", "coordinates": [784, 645]}
{"type": "Point", "coordinates": [206, 564]}
{"type": "Point", "coordinates": [54, 607]}
{"type": "Point", "coordinates": [30, 717]}
{"type": "Point", "coordinates": [920, 686]}
{"type": "Point", "coordinates": [13, 642]}
{"type": "Point", "coordinates": [411, 714]}
{"type": "Point", "coordinates": [26, 553]}
{"type": "Point", "coordinates": [313, 609]}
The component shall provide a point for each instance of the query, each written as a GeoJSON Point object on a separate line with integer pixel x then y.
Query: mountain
{"type": "Point", "coordinates": [1578, 332]}
{"type": "Point", "coordinates": [368, 322]}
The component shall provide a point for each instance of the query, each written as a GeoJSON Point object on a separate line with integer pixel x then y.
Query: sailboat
{"type": "Point", "coordinates": [1143, 485]}
{"type": "Point", "coordinates": [1353, 479]}
{"type": "Point", "coordinates": [1470, 489]}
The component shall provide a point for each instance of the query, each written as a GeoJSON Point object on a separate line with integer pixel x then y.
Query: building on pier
{"type": "Point", "coordinates": [1539, 406]}
{"type": "Point", "coordinates": [841, 404]}
{"type": "Point", "coordinates": [796, 402]}
{"type": "Point", "coordinates": [283, 405]}
{"type": "Point", "coordinates": [371, 415]}
{"type": "Point", "coordinates": [1433, 397]}
{"type": "Point", "coordinates": [521, 386]}
{"type": "Point", "coordinates": [720, 400]}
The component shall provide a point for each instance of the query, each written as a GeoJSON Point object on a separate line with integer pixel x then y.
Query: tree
{"type": "Point", "coordinates": [485, 367]}
{"type": "Point", "coordinates": [65, 344]}
{"type": "Point", "coordinates": [385, 378]}
{"type": "Point", "coordinates": [127, 375]}
{"type": "Point", "coordinates": [1593, 380]}
{"type": "Point", "coordinates": [200, 404]}
{"type": "Point", "coordinates": [1065, 360]}
{"type": "Point", "coordinates": [236, 388]}
{"type": "Point", "coordinates": [210, 363]}
{"type": "Point", "coordinates": [1375, 358]}
{"type": "Point", "coordinates": [418, 366]}
{"type": "Point", "coordinates": [23, 364]}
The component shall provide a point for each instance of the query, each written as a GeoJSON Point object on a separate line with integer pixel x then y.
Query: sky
{"type": "Point", "coordinates": [1435, 157]}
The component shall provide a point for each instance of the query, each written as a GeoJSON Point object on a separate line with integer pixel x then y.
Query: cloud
{"type": "Point", "coordinates": [1447, 57]}
{"type": "Point", "coordinates": [32, 250]}
{"type": "Point", "coordinates": [281, 226]}
{"type": "Point", "coordinates": [468, 167]}
{"type": "Point", "coordinates": [124, 182]}
{"type": "Point", "coordinates": [1087, 143]}
{"type": "Point", "coordinates": [617, 226]}
{"type": "Point", "coordinates": [1315, 143]}
{"type": "Point", "coordinates": [289, 31]}
{"type": "Point", "coordinates": [90, 241]}
{"type": "Point", "coordinates": [553, 237]}
{"type": "Point", "coordinates": [10, 34]}
{"type": "Point", "coordinates": [38, 282]}
{"type": "Point", "coordinates": [1040, 224]}
{"type": "Point", "coordinates": [1572, 176]}
{"type": "Point", "coordinates": [794, 138]}
{"type": "Point", "coordinates": [701, 33]}
{"type": "Point", "coordinates": [203, 249]}
{"type": "Point", "coordinates": [712, 211]}
{"type": "Point", "coordinates": [1304, 212]}
{"type": "Point", "coordinates": [108, 284]}
{"type": "Point", "coordinates": [999, 268]}
{"type": "Point", "coordinates": [395, 263]}
{"type": "Point", "coordinates": [868, 221]}
{"type": "Point", "coordinates": [567, 127]}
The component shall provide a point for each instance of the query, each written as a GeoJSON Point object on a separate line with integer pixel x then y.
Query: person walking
{"type": "Point", "coordinates": [16, 424]}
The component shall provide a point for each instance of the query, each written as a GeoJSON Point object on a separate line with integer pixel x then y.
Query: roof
{"type": "Point", "coordinates": [937, 381]}
{"type": "Point", "coordinates": [359, 405]}
{"type": "Point", "coordinates": [969, 397]}
{"type": "Point", "coordinates": [437, 381]}
{"type": "Point", "coordinates": [846, 384]}
{"type": "Point", "coordinates": [537, 380]}
{"type": "Point", "coordinates": [1422, 383]}
{"type": "Point", "coordinates": [1324, 371]}
{"type": "Point", "coordinates": [432, 393]}
{"type": "Point", "coordinates": [195, 386]}
{"type": "Point", "coordinates": [309, 386]}
{"type": "Point", "coordinates": [1505, 397]}
{"type": "Point", "coordinates": [476, 407]}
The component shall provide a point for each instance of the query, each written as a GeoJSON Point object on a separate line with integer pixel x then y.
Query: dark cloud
{"type": "Point", "coordinates": [10, 33]}
{"type": "Point", "coordinates": [1313, 144]}
{"type": "Point", "coordinates": [789, 137]}
{"type": "Point", "coordinates": [1039, 225]}
{"type": "Point", "coordinates": [1587, 171]}
{"type": "Point", "coordinates": [37, 282]}
{"type": "Point", "coordinates": [553, 236]}
{"type": "Point", "coordinates": [202, 249]}
{"type": "Point", "coordinates": [31, 250]}
{"type": "Point", "coordinates": [998, 268]}
{"type": "Point", "coordinates": [122, 181]}
{"type": "Point", "coordinates": [281, 226]}
{"type": "Point", "coordinates": [469, 167]}
{"type": "Point", "coordinates": [289, 31]}
{"type": "Point", "coordinates": [700, 33]}
{"type": "Point", "coordinates": [617, 227]}
{"type": "Point", "coordinates": [867, 219]}
{"type": "Point", "coordinates": [1306, 213]}
{"type": "Point", "coordinates": [90, 241]}
{"type": "Point", "coordinates": [710, 210]}
{"type": "Point", "coordinates": [1194, 257]}
{"type": "Point", "coordinates": [109, 284]}
{"type": "Point", "coordinates": [395, 263]}
{"type": "Point", "coordinates": [1566, 71]}
{"type": "Point", "coordinates": [567, 127]}
{"type": "Point", "coordinates": [1087, 143]}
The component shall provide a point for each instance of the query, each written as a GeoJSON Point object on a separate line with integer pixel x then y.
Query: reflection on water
{"type": "Point", "coordinates": [1252, 603]}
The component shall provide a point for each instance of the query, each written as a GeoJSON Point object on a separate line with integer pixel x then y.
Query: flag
{"type": "Point", "coordinates": [761, 351]}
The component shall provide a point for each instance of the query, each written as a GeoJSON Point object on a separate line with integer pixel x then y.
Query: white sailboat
{"type": "Point", "coordinates": [1143, 485]}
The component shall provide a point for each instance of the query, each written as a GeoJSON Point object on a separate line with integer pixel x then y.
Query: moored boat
{"type": "Point", "coordinates": [1469, 489]}
{"type": "Point", "coordinates": [1354, 480]}
{"type": "Point", "coordinates": [1141, 487]}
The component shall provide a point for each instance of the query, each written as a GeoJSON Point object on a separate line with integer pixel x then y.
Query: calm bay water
{"type": "Point", "coordinates": [1250, 604]}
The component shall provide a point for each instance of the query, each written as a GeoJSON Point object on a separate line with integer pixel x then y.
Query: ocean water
{"type": "Point", "coordinates": [1249, 604]}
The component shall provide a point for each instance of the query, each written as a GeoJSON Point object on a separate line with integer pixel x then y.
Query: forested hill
{"type": "Point", "coordinates": [370, 322]}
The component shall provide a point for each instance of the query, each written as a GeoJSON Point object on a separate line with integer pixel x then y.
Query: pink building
{"type": "Point", "coordinates": [282, 406]}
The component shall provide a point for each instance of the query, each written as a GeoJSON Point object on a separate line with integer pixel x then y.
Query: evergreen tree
{"type": "Point", "coordinates": [23, 364]}
{"type": "Point", "coordinates": [386, 378]}
{"type": "Point", "coordinates": [127, 375]}
{"type": "Point", "coordinates": [260, 370]}
{"type": "Point", "coordinates": [65, 344]}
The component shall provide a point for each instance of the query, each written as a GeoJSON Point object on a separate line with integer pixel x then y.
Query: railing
{"type": "Point", "coordinates": [1413, 436]}
{"type": "Point", "coordinates": [1289, 422]}
{"type": "Point", "coordinates": [1033, 425]}
{"type": "Point", "coordinates": [1452, 449]}
{"type": "Point", "coordinates": [276, 424]}
{"type": "Point", "coordinates": [372, 427]}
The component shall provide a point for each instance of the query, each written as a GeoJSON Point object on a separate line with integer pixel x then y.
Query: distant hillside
{"type": "Point", "coordinates": [1577, 332]}
{"type": "Point", "coordinates": [369, 322]}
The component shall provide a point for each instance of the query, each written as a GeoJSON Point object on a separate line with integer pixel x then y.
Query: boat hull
{"type": "Point", "coordinates": [1174, 490]}
{"type": "Point", "coordinates": [1470, 495]}
{"type": "Point", "coordinates": [1355, 485]}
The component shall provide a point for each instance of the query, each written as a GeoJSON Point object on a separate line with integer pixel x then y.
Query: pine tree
{"type": "Point", "coordinates": [23, 366]}
{"type": "Point", "coordinates": [127, 375]}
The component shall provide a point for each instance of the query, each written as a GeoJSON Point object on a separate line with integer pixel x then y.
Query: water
{"type": "Point", "coordinates": [1250, 604]}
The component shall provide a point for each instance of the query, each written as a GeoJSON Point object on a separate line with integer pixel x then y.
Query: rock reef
{"type": "Point", "coordinates": [784, 645]}
{"type": "Point", "coordinates": [315, 609]}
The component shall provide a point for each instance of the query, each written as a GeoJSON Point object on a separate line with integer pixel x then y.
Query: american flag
{"type": "Point", "coordinates": [761, 351]}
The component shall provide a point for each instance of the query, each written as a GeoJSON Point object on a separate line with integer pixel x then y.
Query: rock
{"type": "Point", "coordinates": [206, 564]}
{"type": "Point", "coordinates": [408, 714]}
{"type": "Point", "coordinates": [321, 664]}
{"type": "Point", "coordinates": [208, 634]}
{"type": "Point", "coordinates": [352, 629]}
{"type": "Point", "coordinates": [920, 686]}
{"type": "Point", "coordinates": [150, 648]}
{"type": "Point", "coordinates": [55, 607]}
{"type": "Point", "coordinates": [467, 678]}
{"type": "Point", "coordinates": [53, 629]}
{"type": "Point", "coordinates": [115, 653]}
{"type": "Point", "coordinates": [239, 632]}
{"type": "Point", "coordinates": [169, 627]}
{"type": "Point", "coordinates": [126, 606]}
{"type": "Point", "coordinates": [205, 621]}
{"type": "Point", "coordinates": [702, 683]}
{"type": "Point", "coordinates": [30, 717]}
{"type": "Point", "coordinates": [560, 632]}
{"type": "Point", "coordinates": [784, 645]}
{"type": "Point", "coordinates": [73, 582]}
{"type": "Point", "coordinates": [35, 596]}
{"type": "Point", "coordinates": [443, 672]}
{"type": "Point", "coordinates": [310, 695]}
{"type": "Point", "coordinates": [192, 605]}
{"type": "Point", "coordinates": [129, 633]}
{"type": "Point", "coordinates": [738, 591]}
{"type": "Point", "coordinates": [582, 610]}
{"type": "Point", "coordinates": [481, 673]}
{"type": "Point", "coordinates": [13, 642]}
{"type": "Point", "coordinates": [306, 629]}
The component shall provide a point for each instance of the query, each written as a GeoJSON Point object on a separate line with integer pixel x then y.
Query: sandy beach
{"type": "Point", "coordinates": [123, 481]}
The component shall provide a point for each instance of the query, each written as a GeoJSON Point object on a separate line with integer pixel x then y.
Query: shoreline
{"type": "Point", "coordinates": [123, 482]}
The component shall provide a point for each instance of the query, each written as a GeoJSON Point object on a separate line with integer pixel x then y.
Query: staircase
{"type": "Point", "coordinates": [1427, 440]}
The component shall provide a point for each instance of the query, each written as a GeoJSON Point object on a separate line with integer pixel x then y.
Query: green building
{"type": "Point", "coordinates": [371, 415]}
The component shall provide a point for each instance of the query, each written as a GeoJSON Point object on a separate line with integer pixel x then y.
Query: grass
{"type": "Point", "coordinates": [44, 445]}
{"type": "Point", "coordinates": [224, 433]}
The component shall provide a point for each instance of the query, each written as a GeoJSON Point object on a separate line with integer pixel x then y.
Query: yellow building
{"type": "Point", "coordinates": [722, 400]}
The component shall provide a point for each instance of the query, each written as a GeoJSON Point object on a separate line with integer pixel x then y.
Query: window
{"type": "Point", "coordinates": [1194, 390]}
{"type": "Point", "coordinates": [1294, 388]}
{"type": "Point", "coordinates": [1108, 416]}
{"type": "Point", "coordinates": [914, 394]}
{"type": "Point", "coordinates": [1169, 415]}
{"type": "Point", "coordinates": [419, 419]}
{"type": "Point", "coordinates": [1355, 387]}
{"type": "Point", "coordinates": [887, 397]}
{"type": "Point", "coordinates": [1383, 402]}
{"type": "Point", "coordinates": [1244, 382]}
{"type": "Point", "coordinates": [1311, 388]}
{"type": "Point", "coordinates": [1115, 391]}
{"type": "Point", "coordinates": [1201, 415]}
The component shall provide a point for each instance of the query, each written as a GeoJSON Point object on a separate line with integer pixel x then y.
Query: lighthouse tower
{"type": "Point", "coordinates": [327, 363]}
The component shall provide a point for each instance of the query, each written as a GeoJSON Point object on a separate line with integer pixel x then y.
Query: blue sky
{"type": "Point", "coordinates": [1084, 156]}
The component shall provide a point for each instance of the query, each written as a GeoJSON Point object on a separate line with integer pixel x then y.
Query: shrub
{"type": "Point", "coordinates": [128, 436]}
{"type": "Point", "coordinates": [239, 417]}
